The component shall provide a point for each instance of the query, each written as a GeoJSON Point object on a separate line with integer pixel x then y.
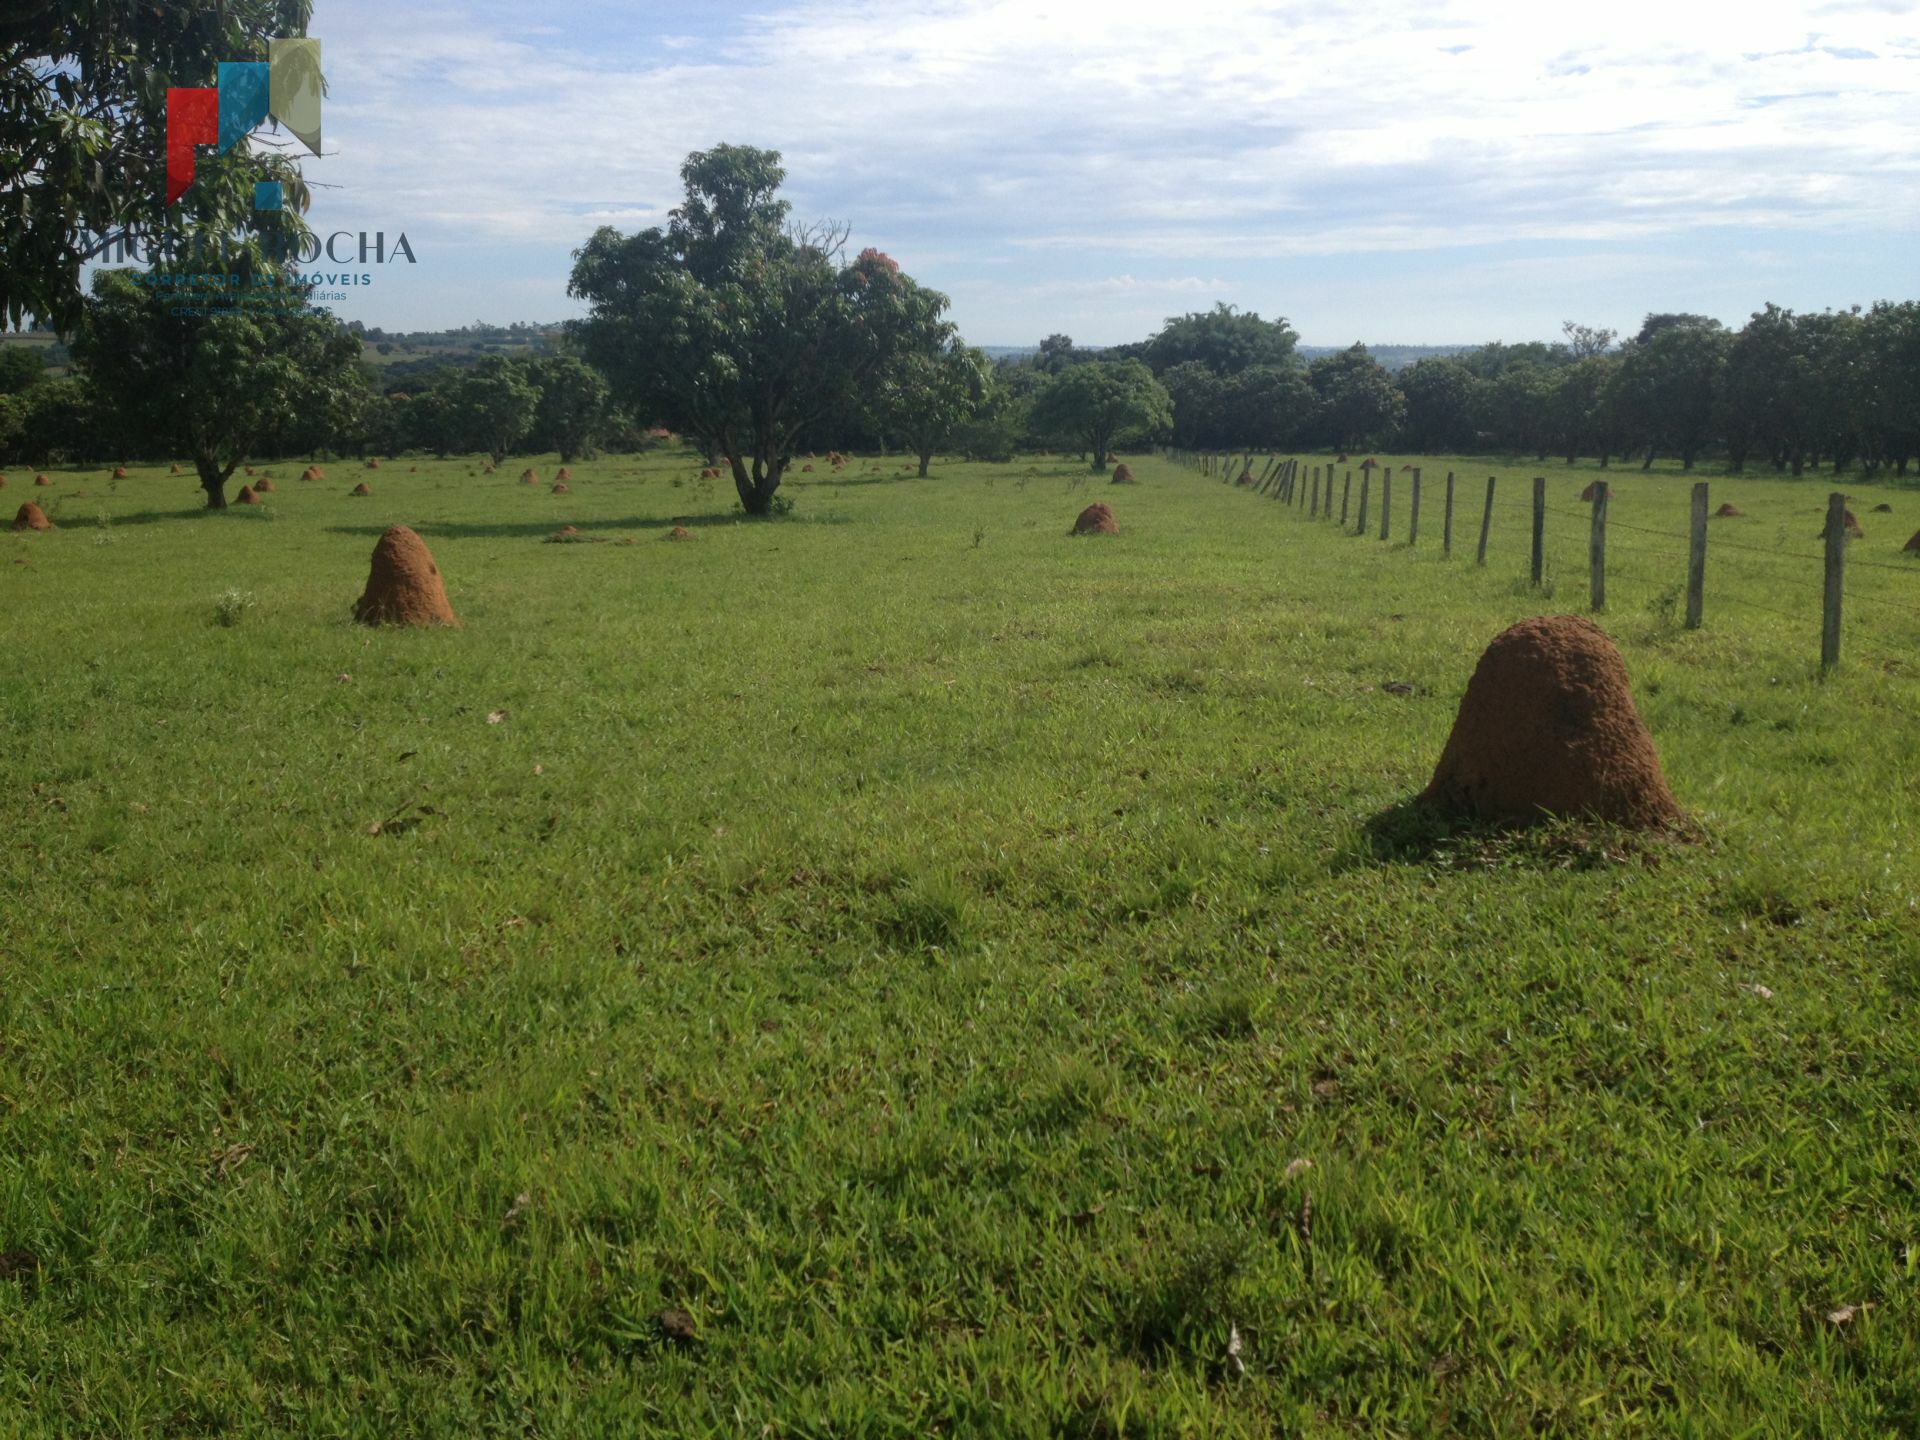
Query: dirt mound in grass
{"type": "Point", "coordinates": [487, 469]}
{"type": "Point", "coordinates": [403, 586]}
{"type": "Point", "coordinates": [1123, 474]}
{"type": "Point", "coordinates": [1883, 508]}
{"type": "Point", "coordinates": [1246, 478]}
{"type": "Point", "coordinates": [246, 496]}
{"type": "Point", "coordinates": [558, 489]}
{"type": "Point", "coordinates": [3, 482]}
{"type": "Point", "coordinates": [361, 489]}
{"type": "Point", "coordinates": [1850, 524]}
{"type": "Point", "coordinates": [373, 462]}
{"type": "Point", "coordinates": [1548, 727]}
{"type": "Point", "coordinates": [1339, 459]}
{"type": "Point", "coordinates": [31, 517]}
{"type": "Point", "coordinates": [119, 472]}
{"type": "Point", "coordinates": [1586, 495]}
{"type": "Point", "coordinates": [249, 470]}
{"type": "Point", "coordinates": [41, 480]}
{"type": "Point", "coordinates": [806, 469]}
{"type": "Point", "coordinates": [1096, 520]}
{"type": "Point", "coordinates": [173, 469]}
{"type": "Point", "coordinates": [1729, 511]}
{"type": "Point", "coordinates": [1912, 547]}
{"type": "Point", "coordinates": [565, 474]}
{"type": "Point", "coordinates": [263, 486]}
{"type": "Point", "coordinates": [1370, 463]}
{"type": "Point", "coordinates": [679, 532]}
{"type": "Point", "coordinates": [313, 472]}
{"type": "Point", "coordinates": [571, 535]}
{"type": "Point", "coordinates": [529, 476]}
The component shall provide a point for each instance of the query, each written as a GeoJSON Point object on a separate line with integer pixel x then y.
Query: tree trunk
{"type": "Point", "coordinates": [926, 459]}
{"type": "Point", "coordinates": [566, 454]}
{"type": "Point", "coordinates": [756, 485]}
{"type": "Point", "coordinates": [213, 480]}
{"type": "Point", "coordinates": [1647, 464]}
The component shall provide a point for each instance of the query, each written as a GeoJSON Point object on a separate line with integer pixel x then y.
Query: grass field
{"type": "Point", "coordinates": [973, 975]}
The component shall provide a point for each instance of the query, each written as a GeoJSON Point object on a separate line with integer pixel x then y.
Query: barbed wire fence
{"type": "Point", "coordinates": [1368, 509]}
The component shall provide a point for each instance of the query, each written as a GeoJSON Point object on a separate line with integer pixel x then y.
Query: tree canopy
{"type": "Point", "coordinates": [1224, 339]}
{"type": "Point", "coordinates": [213, 383]}
{"type": "Point", "coordinates": [1094, 403]}
{"type": "Point", "coordinates": [83, 87]}
{"type": "Point", "coordinates": [734, 327]}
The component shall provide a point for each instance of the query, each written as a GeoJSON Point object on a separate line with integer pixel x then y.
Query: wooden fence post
{"type": "Point", "coordinates": [1597, 548]}
{"type": "Point", "coordinates": [1413, 525]}
{"type": "Point", "coordinates": [1539, 527]}
{"type": "Point", "coordinates": [1366, 481]}
{"type": "Point", "coordinates": [1486, 523]}
{"type": "Point", "coordinates": [1836, 568]}
{"type": "Point", "coordinates": [1313, 513]}
{"type": "Point", "coordinates": [1346, 489]}
{"type": "Point", "coordinates": [1697, 558]}
{"type": "Point", "coordinates": [1446, 529]}
{"type": "Point", "coordinates": [1386, 499]}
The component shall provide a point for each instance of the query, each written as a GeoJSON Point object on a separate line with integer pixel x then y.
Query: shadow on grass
{"type": "Point", "coordinates": [540, 529]}
{"type": "Point", "coordinates": [1416, 832]}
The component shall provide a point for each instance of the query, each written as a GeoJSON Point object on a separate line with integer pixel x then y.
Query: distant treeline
{"type": "Point", "coordinates": [1839, 388]}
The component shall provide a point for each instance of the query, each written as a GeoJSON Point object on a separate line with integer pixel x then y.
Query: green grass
{"type": "Point", "coordinates": [919, 947]}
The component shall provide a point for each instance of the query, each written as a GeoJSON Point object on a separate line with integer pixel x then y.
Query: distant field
{"type": "Point", "coordinates": [949, 962]}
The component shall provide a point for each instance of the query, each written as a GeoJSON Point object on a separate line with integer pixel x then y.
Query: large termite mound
{"type": "Point", "coordinates": [1123, 474]}
{"type": "Point", "coordinates": [313, 472]}
{"type": "Point", "coordinates": [31, 517]}
{"type": "Point", "coordinates": [246, 496]}
{"type": "Point", "coordinates": [1548, 727]}
{"type": "Point", "coordinates": [1728, 511]}
{"type": "Point", "coordinates": [1912, 547]}
{"type": "Point", "coordinates": [1096, 520]}
{"type": "Point", "coordinates": [361, 489]}
{"type": "Point", "coordinates": [403, 586]}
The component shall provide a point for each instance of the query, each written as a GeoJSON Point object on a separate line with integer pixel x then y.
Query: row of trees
{"type": "Point", "coordinates": [1785, 390]}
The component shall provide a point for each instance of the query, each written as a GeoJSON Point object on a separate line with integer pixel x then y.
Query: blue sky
{"type": "Point", "coordinates": [1413, 171]}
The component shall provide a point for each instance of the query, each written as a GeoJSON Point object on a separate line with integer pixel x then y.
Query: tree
{"type": "Point", "coordinates": [1196, 393]}
{"type": "Point", "coordinates": [1440, 406]}
{"type": "Point", "coordinates": [1264, 407]}
{"type": "Point", "coordinates": [20, 369]}
{"type": "Point", "coordinates": [493, 407]}
{"type": "Point", "coordinates": [1223, 339]}
{"type": "Point", "coordinates": [58, 421]}
{"type": "Point", "coordinates": [83, 101]}
{"type": "Point", "coordinates": [1576, 410]}
{"type": "Point", "coordinates": [738, 330]}
{"type": "Point", "coordinates": [572, 412]}
{"type": "Point", "coordinates": [1359, 404]}
{"type": "Point", "coordinates": [1667, 385]}
{"type": "Point", "coordinates": [1057, 353]}
{"type": "Point", "coordinates": [1091, 404]}
{"type": "Point", "coordinates": [1584, 342]}
{"type": "Point", "coordinates": [929, 393]}
{"type": "Point", "coordinates": [209, 382]}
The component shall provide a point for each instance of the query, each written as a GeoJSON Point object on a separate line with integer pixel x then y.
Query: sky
{"type": "Point", "coordinates": [1402, 171]}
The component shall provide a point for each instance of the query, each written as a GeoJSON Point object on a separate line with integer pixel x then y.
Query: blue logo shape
{"type": "Point", "coordinates": [244, 86]}
{"type": "Point", "coordinates": [269, 195]}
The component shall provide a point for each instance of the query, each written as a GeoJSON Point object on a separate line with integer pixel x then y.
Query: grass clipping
{"type": "Point", "coordinates": [404, 586]}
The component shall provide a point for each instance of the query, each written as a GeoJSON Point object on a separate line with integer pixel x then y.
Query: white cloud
{"type": "Point", "coordinates": [1079, 134]}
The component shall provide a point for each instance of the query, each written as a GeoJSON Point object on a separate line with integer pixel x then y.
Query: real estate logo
{"type": "Point", "coordinates": [284, 87]}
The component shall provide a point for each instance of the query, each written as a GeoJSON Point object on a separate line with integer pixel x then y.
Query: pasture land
{"type": "Point", "coordinates": [958, 976]}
